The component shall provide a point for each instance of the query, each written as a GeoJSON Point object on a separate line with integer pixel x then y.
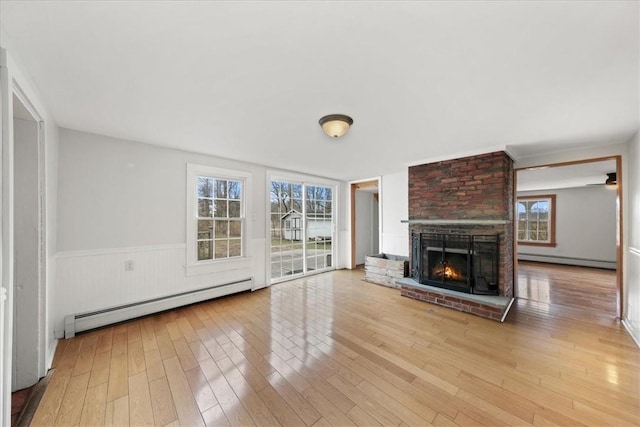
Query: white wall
{"type": "Point", "coordinates": [122, 200]}
{"type": "Point", "coordinates": [394, 199]}
{"type": "Point", "coordinates": [631, 297]}
{"type": "Point", "coordinates": [585, 228]}
{"type": "Point", "coordinates": [119, 194]}
{"type": "Point", "coordinates": [375, 225]}
{"type": "Point", "coordinates": [365, 231]}
{"type": "Point", "coordinates": [343, 225]}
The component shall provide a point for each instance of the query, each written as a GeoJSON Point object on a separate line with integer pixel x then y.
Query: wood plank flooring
{"type": "Point", "coordinates": [332, 349]}
{"type": "Point", "coordinates": [593, 289]}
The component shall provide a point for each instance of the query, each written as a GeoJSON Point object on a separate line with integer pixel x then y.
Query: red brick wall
{"type": "Point", "coordinates": [460, 304]}
{"type": "Point", "coordinates": [472, 188]}
{"type": "Point", "coordinates": [477, 187]}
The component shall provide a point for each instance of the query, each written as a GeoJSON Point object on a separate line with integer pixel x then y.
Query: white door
{"type": "Point", "coordinates": [28, 250]}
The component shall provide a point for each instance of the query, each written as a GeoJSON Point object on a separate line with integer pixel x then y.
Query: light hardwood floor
{"type": "Point", "coordinates": [334, 350]}
{"type": "Point", "coordinates": [593, 289]}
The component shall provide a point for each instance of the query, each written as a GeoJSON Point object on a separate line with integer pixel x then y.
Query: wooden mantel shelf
{"type": "Point", "coordinates": [456, 221]}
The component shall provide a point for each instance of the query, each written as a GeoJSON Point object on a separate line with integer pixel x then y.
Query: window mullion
{"type": "Point", "coordinates": [304, 227]}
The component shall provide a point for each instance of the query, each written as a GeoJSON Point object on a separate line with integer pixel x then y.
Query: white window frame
{"type": "Point", "coordinates": [273, 175]}
{"type": "Point", "coordinates": [193, 265]}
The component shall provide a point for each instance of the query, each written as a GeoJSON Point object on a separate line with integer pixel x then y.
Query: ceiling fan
{"type": "Point", "coordinates": [611, 182]}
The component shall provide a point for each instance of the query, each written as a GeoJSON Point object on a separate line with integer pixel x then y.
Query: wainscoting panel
{"type": "Point", "coordinates": [256, 252]}
{"type": "Point", "coordinates": [632, 315]}
{"type": "Point", "coordinates": [344, 239]}
{"type": "Point", "coordinates": [95, 280]}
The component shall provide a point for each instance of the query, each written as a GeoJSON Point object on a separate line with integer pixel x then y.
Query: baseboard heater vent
{"type": "Point", "coordinates": [553, 259]}
{"type": "Point", "coordinates": [74, 323]}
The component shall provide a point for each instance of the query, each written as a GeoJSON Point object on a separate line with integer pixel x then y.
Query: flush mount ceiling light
{"type": "Point", "coordinates": [336, 125]}
{"type": "Point", "coordinates": [612, 181]}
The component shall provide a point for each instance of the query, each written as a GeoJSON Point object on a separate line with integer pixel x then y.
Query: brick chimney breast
{"type": "Point", "coordinates": [476, 188]}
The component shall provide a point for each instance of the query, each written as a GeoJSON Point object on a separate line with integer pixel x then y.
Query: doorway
{"type": "Point", "coordinates": [29, 262]}
{"type": "Point", "coordinates": [569, 227]}
{"type": "Point", "coordinates": [302, 228]}
{"type": "Point", "coordinates": [365, 220]}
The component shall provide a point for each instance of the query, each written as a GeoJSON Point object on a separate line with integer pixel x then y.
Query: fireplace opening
{"type": "Point", "coordinates": [452, 268]}
{"type": "Point", "coordinates": [459, 262]}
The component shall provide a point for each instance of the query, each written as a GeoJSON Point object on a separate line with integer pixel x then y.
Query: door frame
{"type": "Point", "coordinates": [353, 187]}
{"type": "Point", "coordinates": [619, 223]}
{"type": "Point", "coordinates": [304, 180]}
{"type": "Point", "coordinates": [9, 87]}
{"type": "Point", "coordinates": [6, 302]}
{"type": "Point", "coordinates": [40, 303]}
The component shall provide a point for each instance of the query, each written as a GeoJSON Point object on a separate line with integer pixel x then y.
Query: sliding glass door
{"type": "Point", "coordinates": [302, 225]}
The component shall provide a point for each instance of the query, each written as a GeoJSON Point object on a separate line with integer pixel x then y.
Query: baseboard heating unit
{"type": "Point", "coordinates": [74, 323]}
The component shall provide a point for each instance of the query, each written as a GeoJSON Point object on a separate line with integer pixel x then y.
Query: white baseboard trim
{"type": "Point", "coordinates": [51, 352]}
{"type": "Point", "coordinates": [633, 332]}
{"type": "Point", "coordinates": [85, 321]}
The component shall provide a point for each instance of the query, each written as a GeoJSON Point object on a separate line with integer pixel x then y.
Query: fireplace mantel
{"type": "Point", "coordinates": [456, 221]}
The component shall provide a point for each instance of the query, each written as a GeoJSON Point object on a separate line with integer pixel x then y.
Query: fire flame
{"type": "Point", "coordinates": [447, 272]}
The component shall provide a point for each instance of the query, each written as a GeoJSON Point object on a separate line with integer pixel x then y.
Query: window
{"type": "Point", "coordinates": [219, 218]}
{"type": "Point", "coordinates": [536, 220]}
{"type": "Point", "coordinates": [216, 218]}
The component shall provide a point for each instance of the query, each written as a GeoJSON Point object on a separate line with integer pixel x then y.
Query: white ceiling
{"type": "Point", "coordinates": [567, 176]}
{"type": "Point", "coordinates": [422, 80]}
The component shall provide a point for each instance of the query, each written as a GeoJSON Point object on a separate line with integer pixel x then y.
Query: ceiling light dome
{"type": "Point", "coordinates": [336, 125]}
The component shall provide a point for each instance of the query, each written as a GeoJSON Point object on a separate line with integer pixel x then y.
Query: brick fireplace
{"type": "Point", "coordinates": [469, 199]}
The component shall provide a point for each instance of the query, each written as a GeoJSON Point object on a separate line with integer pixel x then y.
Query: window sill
{"type": "Point", "coordinates": [546, 245]}
{"type": "Point", "coordinates": [218, 266]}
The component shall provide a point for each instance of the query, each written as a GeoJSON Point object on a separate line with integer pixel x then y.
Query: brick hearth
{"type": "Point", "coordinates": [490, 307]}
